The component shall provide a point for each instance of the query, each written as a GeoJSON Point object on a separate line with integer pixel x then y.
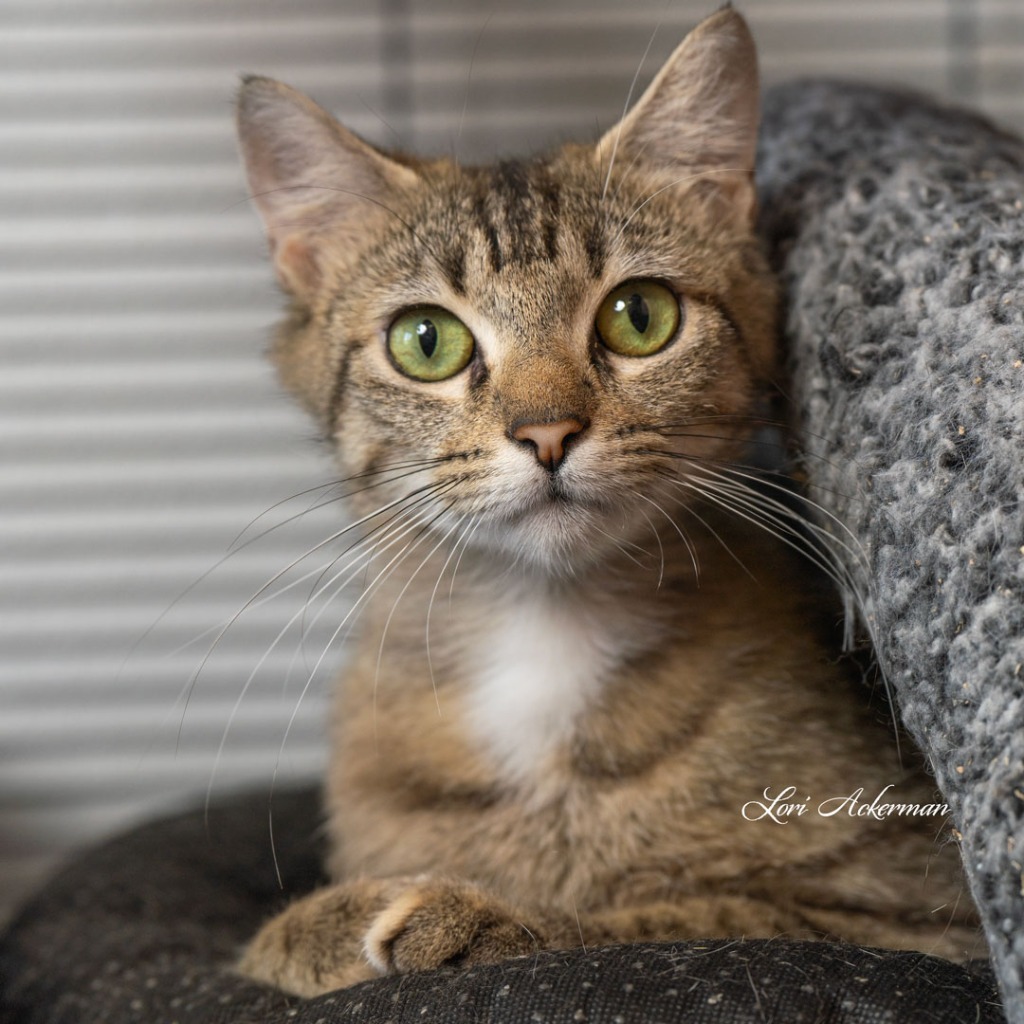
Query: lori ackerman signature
{"type": "Point", "coordinates": [781, 807]}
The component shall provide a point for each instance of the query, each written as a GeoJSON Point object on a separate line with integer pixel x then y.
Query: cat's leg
{"type": "Point", "coordinates": [348, 933]}
{"type": "Point", "coordinates": [359, 930]}
{"type": "Point", "coordinates": [355, 931]}
{"type": "Point", "coordinates": [437, 922]}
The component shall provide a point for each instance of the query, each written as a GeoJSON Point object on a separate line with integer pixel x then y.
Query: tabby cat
{"type": "Point", "coordinates": [588, 668]}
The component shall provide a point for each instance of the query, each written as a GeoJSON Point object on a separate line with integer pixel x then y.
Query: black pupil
{"type": "Point", "coordinates": [639, 314]}
{"type": "Point", "coordinates": [428, 337]}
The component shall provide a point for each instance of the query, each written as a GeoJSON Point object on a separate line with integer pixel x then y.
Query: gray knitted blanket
{"type": "Point", "coordinates": [898, 228]}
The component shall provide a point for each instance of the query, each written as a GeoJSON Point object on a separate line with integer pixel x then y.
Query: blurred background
{"type": "Point", "coordinates": [142, 437]}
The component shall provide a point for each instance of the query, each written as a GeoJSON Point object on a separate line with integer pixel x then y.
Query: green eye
{"type": "Point", "coordinates": [429, 343]}
{"type": "Point", "coordinates": [638, 318]}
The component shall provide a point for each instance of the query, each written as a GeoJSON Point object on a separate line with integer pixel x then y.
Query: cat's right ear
{"type": "Point", "coordinates": [699, 117]}
{"type": "Point", "coordinates": [313, 181]}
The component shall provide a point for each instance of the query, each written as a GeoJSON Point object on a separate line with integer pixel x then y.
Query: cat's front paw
{"type": "Point", "coordinates": [437, 922]}
{"type": "Point", "coordinates": [316, 945]}
{"type": "Point", "coordinates": [348, 933]}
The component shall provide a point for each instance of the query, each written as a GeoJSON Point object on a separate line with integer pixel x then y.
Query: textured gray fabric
{"type": "Point", "coordinates": [898, 228]}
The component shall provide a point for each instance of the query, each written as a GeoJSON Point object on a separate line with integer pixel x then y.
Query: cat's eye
{"type": "Point", "coordinates": [429, 343]}
{"type": "Point", "coordinates": [638, 318]}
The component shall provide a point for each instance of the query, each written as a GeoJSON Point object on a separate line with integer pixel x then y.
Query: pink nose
{"type": "Point", "coordinates": [549, 440]}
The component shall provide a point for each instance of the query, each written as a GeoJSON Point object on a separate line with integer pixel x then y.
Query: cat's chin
{"type": "Point", "coordinates": [557, 537]}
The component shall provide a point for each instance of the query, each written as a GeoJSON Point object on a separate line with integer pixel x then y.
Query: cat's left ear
{"type": "Point", "coordinates": [699, 117]}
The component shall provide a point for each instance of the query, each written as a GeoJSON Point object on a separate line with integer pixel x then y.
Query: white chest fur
{"type": "Point", "coordinates": [542, 660]}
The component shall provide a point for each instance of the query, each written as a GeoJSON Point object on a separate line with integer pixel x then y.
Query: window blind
{"type": "Point", "coordinates": [141, 431]}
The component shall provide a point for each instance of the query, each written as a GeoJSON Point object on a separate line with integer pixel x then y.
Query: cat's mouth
{"type": "Point", "coordinates": [559, 493]}
{"type": "Point", "coordinates": [561, 501]}
{"type": "Point", "coordinates": [549, 502]}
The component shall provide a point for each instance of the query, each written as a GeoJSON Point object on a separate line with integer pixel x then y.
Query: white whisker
{"type": "Point", "coordinates": [382, 531]}
{"type": "Point", "coordinates": [458, 562]}
{"type": "Point", "coordinates": [401, 594]}
{"type": "Point", "coordinates": [430, 605]}
{"type": "Point", "coordinates": [735, 507]}
{"type": "Point", "coordinates": [714, 533]}
{"type": "Point", "coordinates": [386, 534]}
{"type": "Point", "coordinates": [621, 547]}
{"type": "Point", "coordinates": [818, 546]}
{"type": "Point", "coordinates": [857, 553]}
{"type": "Point", "coordinates": [686, 540]}
{"type": "Point", "coordinates": [625, 108]}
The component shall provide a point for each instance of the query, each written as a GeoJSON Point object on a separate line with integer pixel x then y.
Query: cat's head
{"type": "Point", "coordinates": [533, 351]}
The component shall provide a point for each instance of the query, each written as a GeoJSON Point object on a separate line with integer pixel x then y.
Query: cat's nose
{"type": "Point", "coordinates": [549, 440]}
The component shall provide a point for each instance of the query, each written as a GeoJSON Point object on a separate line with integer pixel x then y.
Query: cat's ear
{"type": "Point", "coordinates": [699, 117]}
{"type": "Point", "coordinates": [313, 181]}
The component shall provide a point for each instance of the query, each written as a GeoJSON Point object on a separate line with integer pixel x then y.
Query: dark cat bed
{"type": "Point", "coordinates": [897, 227]}
{"type": "Point", "coordinates": [140, 930]}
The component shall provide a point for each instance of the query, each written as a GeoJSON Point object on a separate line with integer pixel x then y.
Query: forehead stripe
{"type": "Point", "coordinates": [453, 263]}
{"type": "Point", "coordinates": [518, 210]}
{"type": "Point", "coordinates": [552, 211]}
{"type": "Point", "coordinates": [595, 248]}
